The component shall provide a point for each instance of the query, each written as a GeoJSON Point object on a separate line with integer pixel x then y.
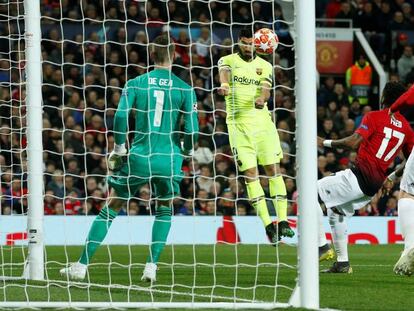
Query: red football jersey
{"type": "Point", "coordinates": [384, 137]}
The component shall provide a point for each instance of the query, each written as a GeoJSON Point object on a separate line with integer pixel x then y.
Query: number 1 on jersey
{"type": "Point", "coordinates": [159, 105]}
{"type": "Point", "coordinates": [384, 144]}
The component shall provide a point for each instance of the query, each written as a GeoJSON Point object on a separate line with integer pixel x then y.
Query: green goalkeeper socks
{"type": "Point", "coordinates": [97, 233]}
{"type": "Point", "coordinates": [257, 198]}
{"type": "Point", "coordinates": [160, 230]}
{"type": "Point", "coordinates": [277, 191]}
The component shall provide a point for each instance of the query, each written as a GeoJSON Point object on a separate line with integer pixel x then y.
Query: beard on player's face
{"type": "Point", "coordinates": [246, 48]}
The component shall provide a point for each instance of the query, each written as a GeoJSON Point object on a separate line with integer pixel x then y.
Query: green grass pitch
{"type": "Point", "coordinates": [214, 273]}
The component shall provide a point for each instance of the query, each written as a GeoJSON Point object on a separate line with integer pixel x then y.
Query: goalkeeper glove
{"type": "Point", "coordinates": [115, 159]}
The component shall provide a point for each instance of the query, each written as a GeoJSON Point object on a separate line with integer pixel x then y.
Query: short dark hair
{"type": "Point", "coordinates": [246, 32]}
{"type": "Point", "coordinates": [162, 49]}
{"type": "Point", "coordinates": [391, 92]}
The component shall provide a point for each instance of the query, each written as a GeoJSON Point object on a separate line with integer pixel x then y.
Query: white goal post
{"type": "Point", "coordinates": [306, 293]}
{"type": "Point", "coordinates": [307, 154]}
{"type": "Point", "coordinates": [35, 261]}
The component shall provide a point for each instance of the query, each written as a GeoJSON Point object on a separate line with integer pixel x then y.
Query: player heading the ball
{"type": "Point", "coordinates": [246, 81]}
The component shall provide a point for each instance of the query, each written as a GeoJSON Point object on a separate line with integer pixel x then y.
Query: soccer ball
{"type": "Point", "coordinates": [265, 41]}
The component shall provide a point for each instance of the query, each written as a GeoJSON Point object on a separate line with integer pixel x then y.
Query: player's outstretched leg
{"type": "Point", "coordinates": [277, 190]}
{"type": "Point", "coordinates": [325, 250]}
{"type": "Point", "coordinates": [340, 241]}
{"type": "Point", "coordinates": [257, 199]}
{"type": "Point", "coordinates": [405, 264]}
{"type": "Point", "coordinates": [160, 230]}
{"type": "Point", "coordinates": [97, 234]}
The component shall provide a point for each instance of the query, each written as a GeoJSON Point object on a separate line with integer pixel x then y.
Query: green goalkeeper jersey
{"type": "Point", "coordinates": [245, 81]}
{"type": "Point", "coordinates": [160, 101]}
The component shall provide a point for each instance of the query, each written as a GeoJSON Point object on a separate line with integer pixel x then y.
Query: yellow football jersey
{"type": "Point", "coordinates": [246, 77]}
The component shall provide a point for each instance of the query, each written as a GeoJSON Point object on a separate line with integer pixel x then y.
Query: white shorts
{"type": "Point", "coordinates": [342, 191]}
{"type": "Point", "coordinates": [407, 180]}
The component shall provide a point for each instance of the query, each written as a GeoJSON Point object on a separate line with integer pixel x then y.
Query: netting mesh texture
{"type": "Point", "coordinates": [89, 50]}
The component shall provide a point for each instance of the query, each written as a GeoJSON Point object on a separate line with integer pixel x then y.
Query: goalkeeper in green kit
{"type": "Point", "coordinates": [160, 100]}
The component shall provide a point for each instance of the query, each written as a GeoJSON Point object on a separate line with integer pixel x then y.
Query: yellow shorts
{"type": "Point", "coordinates": [255, 144]}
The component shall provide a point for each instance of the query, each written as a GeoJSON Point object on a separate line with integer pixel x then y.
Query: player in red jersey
{"type": "Point", "coordinates": [379, 139]}
{"type": "Point", "coordinates": [405, 264]}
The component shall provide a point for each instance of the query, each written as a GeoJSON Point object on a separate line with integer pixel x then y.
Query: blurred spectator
{"type": "Point", "coordinates": [326, 91]}
{"type": "Point", "coordinates": [322, 162]}
{"type": "Point", "coordinates": [211, 209]}
{"type": "Point", "coordinates": [391, 205]}
{"type": "Point", "coordinates": [332, 9]}
{"type": "Point", "coordinates": [359, 118]}
{"type": "Point", "coordinates": [384, 195]}
{"type": "Point", "coordinates": [226, 203]}
{"type": "Point", "coordinates": [402, 42]}
{"type": "Point", "coordinates": [144, 201]}
{"type": "Point", "coordinates": [154, 19]}
{"type": "Point", "coordinates": [241, 210]}
{"type": "Point", "coordinates": [327, 129]}
{"type": "Point", "coordinates": [203, 43]}
{"type": "Point", "coordinates": [70, 186]}
{"type": "Point", "coordinates": [344, 13]}
{"type": "Point", "coordinates": [49, 203]}
{"type": "Point", "coordinates": [341, 118]}
{"type": "Point", "coordinates": [72, 204]}
{"type": "Point", "coordinates": [398, 22]}
{"type": "Point", "coordinates": [366, 19]}
{"type": "Point", "coordinates": [243, 15]}
{"type": "Point", "coordinates": [406, 62]}
{"type": "Point", "coordinates": [359, 79]}
{"type": "Point", "coordinates": [407, 13]}
{"type": "Point", "coordinates": [182, 48]}
{"type": "Point", "coordinates": [203, 153]}
{"type": "Point", "coordinates": [56, 185]}
{"type": "Point", "coordinates": [384, 17]}
{"type": "Point", "coordinates": [187, 208]}
{"type": "Point", "coordinates": [355, 109]}
{"type": "Point", "coordinates": [205, 180]}
{"type": "Point", "coordinates": [15, 197]}
{"type": "Point", "coordinates": [339, 95]}
{"type": "Point", "coordinates": [280, 24]}
{"type": "Point", "coordinates": [59, 208]}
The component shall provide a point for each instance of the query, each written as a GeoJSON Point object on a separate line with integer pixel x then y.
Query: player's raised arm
{"type": "Point", "coordinates": [351, 142]}
{"type": "Point", "coordinates": [405, 99]}
{"type": "Point", "coordinates": [121, 126]}
{"type": "Point", "coordinates": [190, 121]}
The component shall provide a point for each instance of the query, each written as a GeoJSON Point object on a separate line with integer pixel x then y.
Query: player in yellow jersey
{"type": "Point", "coordinates": [246, 81]}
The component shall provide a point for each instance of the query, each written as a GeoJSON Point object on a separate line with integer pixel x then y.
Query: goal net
{"type": "Point", "coordinates": [217, 253]}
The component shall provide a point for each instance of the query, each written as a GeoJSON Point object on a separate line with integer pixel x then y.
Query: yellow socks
{"type": "Point", "coordinates": [257, 198]}
{"type": "Point", "coordinates": [277, 191]}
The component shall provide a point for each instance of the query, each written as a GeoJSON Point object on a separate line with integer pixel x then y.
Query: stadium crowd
{"type": "Point", "coordinates": [83, 76]}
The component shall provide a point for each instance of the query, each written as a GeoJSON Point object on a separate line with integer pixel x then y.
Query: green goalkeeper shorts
{"type": "Point", "coordinates": [162, 188]}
